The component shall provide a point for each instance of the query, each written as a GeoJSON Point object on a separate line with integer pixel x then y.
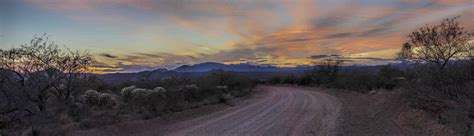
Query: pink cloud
{"type": "Point", "coordinates": [282, 30]}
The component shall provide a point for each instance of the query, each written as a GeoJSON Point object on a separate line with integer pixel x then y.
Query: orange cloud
{"type": "Point", "coordinates": [278, 32]}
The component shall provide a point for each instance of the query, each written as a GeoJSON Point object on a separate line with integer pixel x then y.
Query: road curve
{"type": "Point", "coordinates": [283, 111]}
{"type": "Point", "coordinates": [271, 111]}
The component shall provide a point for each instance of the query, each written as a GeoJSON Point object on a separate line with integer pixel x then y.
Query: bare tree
{"type": "Point", "coordinates": [438, 44]}
{"type": "Point", "coordinates": [328, 70]}
{"type": "Point", "coordinates": [331, 65]}
{"type": "Point", "coordinates": [37, 81]}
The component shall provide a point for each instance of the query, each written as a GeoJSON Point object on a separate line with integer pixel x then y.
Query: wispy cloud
{"type": "Point", "coordinates": [167, 33]}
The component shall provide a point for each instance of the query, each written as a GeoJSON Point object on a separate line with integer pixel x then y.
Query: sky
{"type": "Point", "coordinates": [137, 35]}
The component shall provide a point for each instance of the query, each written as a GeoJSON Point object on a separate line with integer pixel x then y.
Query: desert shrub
{"type": "Point", "coordinates": [149, 99]}
{"type": "Point", "coordinates": [139, 96]}
{"type": "Point", "coordinates": [222, 89]}
{"type": "Point", "coordinates": [181, 92]}
{"type": "Point", "coordinates": [77, 111]}
{"type": "Point", "coordinates": [443, 84]}
{"type": "Point", "coordinates": [358, 80]}
{"type": "Point", "coordinates": [448, 95]}
{"type": "Point", "coordinates": [290, 79]}
{"type": "Point", "coordinates": [224, 98]}
{"type": "Point", "coordinates": [236, 84]}
{"type": "Point", "coordinates": [91, 97]}
{"type": "Point", "coordinates": [106, 100]}
{"type": "Point", "coordinates": [277, 79]}
{"type": "Point", "coordinates": [449, 104]}
{"type": "Point", "coordinates": [96, 99]}
{"type": "Point", "coordinates": [223, 93]}
{"type": "Point", "coordinates": [308, 78]}
{"type": "Point", "coordinates": [361, 79]}
{"type": "Point", "coordinates": [126, 94]}
{"type": "Point", "coordinates": [388, 77]}
{"type": "Point", "coordinates": [156, 100]}
{"type": "Point", "coordinates": [176, 100]}
{"type": "Point", "coordinates": [192, 93]}
{"type": "Point", "coordinates": [38, 80]}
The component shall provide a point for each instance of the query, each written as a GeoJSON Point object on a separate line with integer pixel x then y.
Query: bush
{"type": "Point", "coordinates": [361, 79]}
{"type": "Point", "coordinates": [447, 95]}
{"type": "Point", "coordinates": [96, 99]}
{"type": "Point", "coordinates": [144, 98]}
{"type": "Point", "coordinates": [91, 97]}
{"type": "Point", "coordinates": [180, 93]}
{"type": "Point", "coordinates": [388, 77]}
{"type": "Point", "coordinates": [106, 100]}
{"type": "Point", "coordinates": [358, 80]}
{"type": "Point", "coordinates": [192, 93]}
{"type": "Point", "coordinates": [76, 111]}
{"type": "Point", "coordinates": [126, 94]}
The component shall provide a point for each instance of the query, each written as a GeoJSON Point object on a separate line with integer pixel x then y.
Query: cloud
{"type": "Point", "coordinates": [318, 56]}
{"type": "Point", "coordinates": [353, 58]}
{"type": "Point", "coordinates": [329, 21]}
{"type": "Point", "coordinates": [323, 56]}
{"type": "Point", "coordinates": [371, 58]}
{"type": "Point", "coordinates": [340, 35]}
{"type": "Point", "coordinates": [120, 68]}
{"type": "Point", "coordinates": [106, 55]}
{"type": "Point", "coordinates": [277, 32]}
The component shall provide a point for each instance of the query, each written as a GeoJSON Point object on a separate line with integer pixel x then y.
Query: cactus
{"type": "Point", "coordinates": [97, 99]}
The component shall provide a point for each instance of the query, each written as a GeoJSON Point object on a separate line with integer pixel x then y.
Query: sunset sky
{"type": "Point", "coordinates": [136, 35]}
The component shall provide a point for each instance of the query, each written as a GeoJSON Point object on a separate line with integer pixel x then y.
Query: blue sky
{"type": "Point", "coordinates": [134, 35]}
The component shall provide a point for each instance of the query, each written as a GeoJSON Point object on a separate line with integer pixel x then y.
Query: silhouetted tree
{"type": "Point", "coordinates": [329, 69]}
{"type": "Point", "coordinates": [438, 44]}
{"type": "Point", "coordinates": [331, 66]}
{"type": "Point", "coordinates": [38, 80]}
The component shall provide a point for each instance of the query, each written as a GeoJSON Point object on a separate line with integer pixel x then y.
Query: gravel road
{"type": "Point", "coordinates": [283, 111]}
{"type": "Point", "coordinates": [272, 111]}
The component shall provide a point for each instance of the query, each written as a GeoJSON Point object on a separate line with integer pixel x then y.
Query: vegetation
{"type": "Point", "coordinates": [135, 99]}
{"type": "Point", "coordinates": [437, 76]}
{"type": "Point", "coordinates": [441, 87]}
{"type": "Point", "coordinates": [362, 79]}
{"type": "Point", "coordinates": [39, 81]}
{"type": "Point", "coordinates": [45, 88]}
{"type": "Point", "coordinates": [438, 44]}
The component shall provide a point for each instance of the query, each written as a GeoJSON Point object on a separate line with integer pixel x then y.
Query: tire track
{"type": "Point", "coordinates": [226, 114]}
{"type": "Point", "coordinates": [287, 111]}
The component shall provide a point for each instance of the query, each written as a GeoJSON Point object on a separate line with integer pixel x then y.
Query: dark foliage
{"type": "Point", "coordinates": [447, 95]}
{"type": "Point", "coordinates": [38, 81]}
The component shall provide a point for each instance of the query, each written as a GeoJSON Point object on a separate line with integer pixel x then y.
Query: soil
{"type": "Point", "coordinates": [289, 110]}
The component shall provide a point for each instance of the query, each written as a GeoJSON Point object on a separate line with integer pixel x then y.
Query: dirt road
{"type": "Point", "coordinates": [276, 111]}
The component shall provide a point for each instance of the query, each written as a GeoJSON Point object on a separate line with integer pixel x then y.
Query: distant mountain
{"type": "Point", "coordinates": [209, 66]}
{"type": "Point", "coordinates": [257, 71]}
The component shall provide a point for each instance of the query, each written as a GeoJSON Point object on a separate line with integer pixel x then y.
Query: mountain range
{"type": "Point", "coordinates": [204, 68]}
{"type": "Point", "coordinates": [243, 67]}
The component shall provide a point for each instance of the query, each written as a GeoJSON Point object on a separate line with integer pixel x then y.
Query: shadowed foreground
{"type": "Point", "coordinates": [277, 111]}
